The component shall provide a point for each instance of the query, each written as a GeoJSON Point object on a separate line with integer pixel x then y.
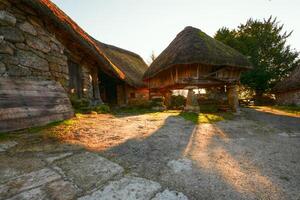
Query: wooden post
{"type": "Point", "coordinates": [96, 90]}
{"type": "Point", "coordinates": [167, 97]}
{"type": "Point", "coordinates": [232, 96]}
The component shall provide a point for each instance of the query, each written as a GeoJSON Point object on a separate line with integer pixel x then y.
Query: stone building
{"type": "Point", "coordinates": [287, 92]}
{"type": "Point", "coordinates": [46, 58]}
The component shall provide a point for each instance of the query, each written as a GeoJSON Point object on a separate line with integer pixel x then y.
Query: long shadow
{"type": "Point", "coordinates": [147, 156]}
{"type": "Point", "coordinates": [252, 166]}
{"type": "Point", "coordinates": [225, 166]}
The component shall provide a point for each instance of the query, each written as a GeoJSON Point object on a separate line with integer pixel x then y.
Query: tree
{"type": "Point", "coordinates": [264, 42]}
{"type": "Point", "coordinates": [152, 58]}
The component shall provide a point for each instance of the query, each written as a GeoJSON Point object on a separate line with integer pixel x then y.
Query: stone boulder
{"type": "Point", "coordinates": [11, 34]}
{"type": "Point", "coordinates": [37, 44]}
{"type": "Point", "coordinates": [28, 28]}
{"type": "Point", "coordinates": [30, 59]}
{"type": "Point", "coordinates": [7, 19]}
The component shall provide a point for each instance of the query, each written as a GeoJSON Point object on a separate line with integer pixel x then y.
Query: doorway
{"type": "Point", "coordinates": [108, 88]}
{"type": "Point", "coordinates": [75, 80]}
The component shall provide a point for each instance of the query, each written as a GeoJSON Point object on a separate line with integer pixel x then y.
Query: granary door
{"type": "Point", "coordinates": [75, 79]}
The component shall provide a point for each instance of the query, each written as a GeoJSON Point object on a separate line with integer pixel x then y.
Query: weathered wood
{"type": "Point", "coordinates": [25, 103]}
{"type": "Point", "coordinates": [194, 74]}
{"type": "Point", "coordinates": [22, 123]}
{"type": "Point", "coordinates": [12, 102]}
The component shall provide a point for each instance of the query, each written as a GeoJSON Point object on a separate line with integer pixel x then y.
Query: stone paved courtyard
{"type": "Point", "coordinates": [155, 156]}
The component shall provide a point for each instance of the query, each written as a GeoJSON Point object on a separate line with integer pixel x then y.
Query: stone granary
{"type": "Point", "coordinates": [46, 58]}
{"type": "Point", "coordinates": [287, 92]}
{"type": "Point", "coordinates": [195, 60]}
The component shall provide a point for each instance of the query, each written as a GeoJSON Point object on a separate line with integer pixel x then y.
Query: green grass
{"type": "Point", "coordinates": [198, 118]}
{"type": "Point", "coordinates": [289, 109]}
{"type": "Point", "coordinates": [34, 130]}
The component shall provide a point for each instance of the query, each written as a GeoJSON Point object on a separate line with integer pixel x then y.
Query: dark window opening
{"type": "Point", "coordinates": [132, 95]}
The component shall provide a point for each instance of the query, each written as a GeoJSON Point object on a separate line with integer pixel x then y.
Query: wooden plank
{"type": "Point", "coordinates": [29, 85]}
{"type": "Point", "coordinates": [25, 103]}
{"type": "Point", "coordinates": [15, 101]}
{"type": "Point", "coordinates": [31, 93]}
{"type": "Point", "coordinates": [21, 112]}
{"type": "Point", "coordinates": [22, 123]}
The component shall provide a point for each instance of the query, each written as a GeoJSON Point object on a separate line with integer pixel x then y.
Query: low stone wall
{"type": "Point", "coordinates": [288, 98]}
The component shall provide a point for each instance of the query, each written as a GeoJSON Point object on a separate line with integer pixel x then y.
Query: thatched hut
{"type": "Point", "coordinates": [46, 58]}
{"type": "Point", "coordinates": [287, 92]}
{"type": "Point", "coordinates": [128, 91]}
{"type": "Point", "coordinates": [195, 59]}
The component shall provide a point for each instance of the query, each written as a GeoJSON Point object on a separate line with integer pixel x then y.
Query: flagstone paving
{"type": "Point", "coordinates": [156, 157]}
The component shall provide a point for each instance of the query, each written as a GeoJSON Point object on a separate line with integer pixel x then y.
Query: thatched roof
{"type": "Point", "coordinates": [290, 83]}
{"type": "Point", "coordinates": [131, 64]}
{"type": "Point", "coordinates": [192, 46]}
{"type": "Point", "coordinates": [71, 34]}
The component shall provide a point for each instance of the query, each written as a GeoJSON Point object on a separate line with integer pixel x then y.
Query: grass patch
{"type": "Point", "coordinates": [198, 118]}
{"type": "Point", "coordinates": [35, 130]}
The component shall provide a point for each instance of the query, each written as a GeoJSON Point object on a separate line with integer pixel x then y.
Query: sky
{"type": "Point", "coordinates": [146, 26]}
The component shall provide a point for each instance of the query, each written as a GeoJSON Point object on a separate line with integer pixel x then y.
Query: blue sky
{"type": "Point", "coordinates": [143, 26]}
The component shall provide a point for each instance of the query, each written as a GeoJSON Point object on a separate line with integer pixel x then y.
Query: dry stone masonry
{"type": "Point", "coordinates": [27, 49]}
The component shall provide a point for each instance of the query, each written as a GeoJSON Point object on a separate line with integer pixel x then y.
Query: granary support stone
{"type": "Point", "coordinates": [167, 97]}
{"type": "Point", "coordinates": [191, 101]}
{"type": "Point", "coordinates": [232, 96]}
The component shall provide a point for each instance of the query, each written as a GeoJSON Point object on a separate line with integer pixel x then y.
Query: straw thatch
{"type": "Point", "coordinates": [71, 34]}
{"type": "Point", "coordinates": [290, 83]}
{"type": "Point", "coordinates": [131, 64]}
{"type": "Point", "coordinates": [192, 46]}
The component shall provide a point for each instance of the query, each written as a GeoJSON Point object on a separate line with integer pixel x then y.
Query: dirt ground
{"type": "Point", "coordinates": [255, 155]}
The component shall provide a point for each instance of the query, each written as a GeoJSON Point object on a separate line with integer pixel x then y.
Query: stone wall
{"type": "Point", "coordinates": [289, 98]}
{"type": "Point", "coordinates": [34, 71]}
{"type": "Point", "coordinates": [28, 50]}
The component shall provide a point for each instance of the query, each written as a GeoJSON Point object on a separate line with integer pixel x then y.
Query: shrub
{"type": "Point", "coordinates": [157, 102]}
{"type": "Point", "coordinates": [101, 109]}
{"type": "Point", "coordinates": [177, 101]}
{"type": "Point", "coordinates": [79, 103]}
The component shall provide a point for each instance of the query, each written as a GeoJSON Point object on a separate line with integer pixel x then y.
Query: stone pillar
{"type": "Point", "coordinates": [191, 102]}
{"type": "Point", "coordinates": [232, 95]}
{"type": "Point", "coordinates": [96, 90]}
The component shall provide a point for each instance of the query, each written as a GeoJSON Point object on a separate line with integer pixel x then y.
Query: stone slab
{"type": "Point", "coordinates": [7, 18]}
{"type": "Point", "coordinates": [129, 188]}
{"type": "Point", "coordinates": [28, 181]}
{"type": "Point", "coordinates": [170, 195]}
{"type": "Point", "coordinates": [7, 145]}
{"type": "Point", "coordinates": [51, 159]}
{"type": "Point", "coordinates": [180, 165]}
{"type": "Point", "coordinates": [89, 170]}
{"type": "Point", "coordinates": [58, 190]}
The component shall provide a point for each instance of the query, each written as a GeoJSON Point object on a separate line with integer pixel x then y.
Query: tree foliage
{"type": "Point", "coordinates": [264, 42]}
